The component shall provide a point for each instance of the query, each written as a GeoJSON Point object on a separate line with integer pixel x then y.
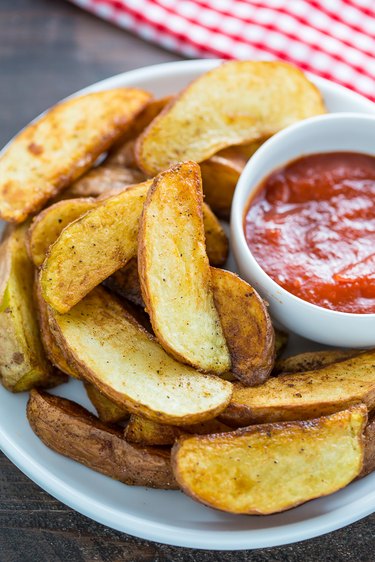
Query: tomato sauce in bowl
{"type": "Point", "coordinates": [311, 227]}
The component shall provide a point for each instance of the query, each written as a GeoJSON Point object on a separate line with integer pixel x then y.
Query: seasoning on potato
{"type": "Point", "coordinates": [269, 468]}
{"type": "Point", "coordinates": [51, 153]}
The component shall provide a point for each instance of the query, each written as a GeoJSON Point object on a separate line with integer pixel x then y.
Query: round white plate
{"type": "Point", "coordinates": [168, 516]}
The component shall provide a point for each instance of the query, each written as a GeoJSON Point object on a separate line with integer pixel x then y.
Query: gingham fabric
{"type": "Point", "coordinates": [332, 38]}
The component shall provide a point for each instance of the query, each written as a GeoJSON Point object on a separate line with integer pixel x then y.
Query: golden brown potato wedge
{"type": "Point", "coordinates": [100, 180]}
{"type": "Point", "coordinates": [51, 348]}
{"type": "Point", "coordinates": [269, 468]}
{"type": "Point", "coordinates": [301, 396]}
{"type": "Point", "coordinates": [90, 249]}
{"type": "Point", "coordinates": [80, 260]}
{"type": "Point", "coordinates": [108, 411]}
{"type": "Point", "coordinates": [247, 327]}
{"type": "Point", "coordinates": [175, 274]}
{"type": "Point", "coordinates": [369, 458]}
{"type": "Point", "coordinates": [220, 175]}
{"type": "Point", "coordinates": [70, 430]}
{"type": "Point", "coordinates": [122, 154]}
{"type": "Point", "coordinates": [51, 153]}
{"type": "Point", "coordinates": [147, 432]}
{"type": "Point", "coordinates": [23, 363]}
{"type": "Point", "coordinates": [281, 341]}
{"type": "Point", "coordinates": [111, 350]}
{"type": "Point", "coordinates": [47, 226]}
{"type": "Point", "coordinates": [312, 360]}
{"type": "Point", "coordinates": [236, 103]}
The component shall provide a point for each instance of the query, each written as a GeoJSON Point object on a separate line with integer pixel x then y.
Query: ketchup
{"type": "Point", "coordinates": [311, 227]}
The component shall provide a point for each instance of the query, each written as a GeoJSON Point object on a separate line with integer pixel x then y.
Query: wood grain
{"type": "Point", "coordinates": [47, 51]}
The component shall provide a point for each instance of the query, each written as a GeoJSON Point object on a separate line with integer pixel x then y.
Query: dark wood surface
{"type": "Point", "coordinates": [47, 51]}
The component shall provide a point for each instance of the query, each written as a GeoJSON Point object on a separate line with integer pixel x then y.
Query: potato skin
{"type": "Point", "coordinates": [246, 325]}
{"type": "Point", "coordinates": [312, 360]}
{"type": "Point", "coordinates": [70, 430]}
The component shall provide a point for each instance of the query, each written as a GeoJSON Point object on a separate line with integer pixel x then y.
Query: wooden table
{"type": "Point", "coordinates": [47, 51]}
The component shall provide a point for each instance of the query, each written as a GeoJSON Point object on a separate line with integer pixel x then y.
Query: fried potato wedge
{"type": "Point", "coordinates": [47, 226]}
{"type": "Point", "coordinates": [111, 350]}
{"type": "Point", "coordinates": [51, 348]}
{"type": "Point", "coordinates": [369, 459]}
{"type": "Point", "coordinates": [37, 164]}
{"type": "Point", "coordinates": [175, 274]}
{"type": "Point", "coordinates": [80, 260]}
{"type": "Point", "coordinates": [281, 341]}
{"type": "Point", "coordinates": [23, 363]}
{"type": "Point", "coordinates": [104, 178]}
{"type": "Point", "coordinates": [301, 396]}
{"type": "Point", "coordinates": [147, 432]}
{"type": "Point", "coordinates": [312, 360]}
{"type": "Point", "coordinates": [108, 411]}
{"type": "Point", "coordinates": [220, 175]}
{"type": "Point", "coordinates": [246, 325]}
{"type": "Point", "coordinates": [236, 103]}
{"type": "Point", "coordinates": [269, 468]}
{"type": "Point", "coordinates": [70, 430]}
{"type": "Point", "coordinates": [90, 249]}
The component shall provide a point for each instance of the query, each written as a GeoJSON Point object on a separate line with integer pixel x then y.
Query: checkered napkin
{"type": "Point", "coordinates": [332, 38]}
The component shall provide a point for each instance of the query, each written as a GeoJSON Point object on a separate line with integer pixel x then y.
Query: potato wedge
{"type": "Point", "coordinates": [220, 175]}
{"type": "Point", "coordinates": [107, 410]}
{"type": "Point", "coordinates": [301, 396]}
{"type": "Point", "coordinates": [47, 226]}
{"type": "Point", "coordinates": [80, 260]}
{"type": "Point", "coordinates": [236, 103]}
{"type": "Point", "coordinates": [246, 325]}
{"type": "Point", "coordinates": [23, 363]}
{"type": "Point", "coordinates": [281, 341]}
{"type": "Point", "coordinates": [112, 351]}
{"type": "Point", "coordinates": [175, 274]}
{"type": "Point", "coordinates": [90, 249]}
{"type": "Point", "coordinates": [312, 360]}
{"type": "Point", "coordinates": [70, 430]}
{"type": "Point", "coordinates": [273, 467]}
{"type": "Point", "coordinates": [369, 459]}
{"type": "Point", "coordinates": [37, 164]}
{"type": "Point", "coordinates": [147, 432]}
{"type": "Point", "coordinates": [98, 181]}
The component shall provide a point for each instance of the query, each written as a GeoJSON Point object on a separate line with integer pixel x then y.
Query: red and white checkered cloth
{"type": "Point", "coordinates": [332, 38]}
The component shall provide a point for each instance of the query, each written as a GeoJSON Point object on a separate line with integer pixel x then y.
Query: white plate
{"type": "Point", "coordinates": [168, 516]}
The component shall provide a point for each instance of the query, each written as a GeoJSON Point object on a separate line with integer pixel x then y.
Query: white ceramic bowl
{"type": "Point", "coordinates": [326, 133]}
{"type": "Point", "coordinates": [170, 516]}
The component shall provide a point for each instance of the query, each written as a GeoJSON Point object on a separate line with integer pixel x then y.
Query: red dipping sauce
{"type": "Point", "coordinates": [311, 227]}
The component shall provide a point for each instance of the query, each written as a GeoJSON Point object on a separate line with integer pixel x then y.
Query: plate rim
{"type": "Point", "coordinates": [161, 532]}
